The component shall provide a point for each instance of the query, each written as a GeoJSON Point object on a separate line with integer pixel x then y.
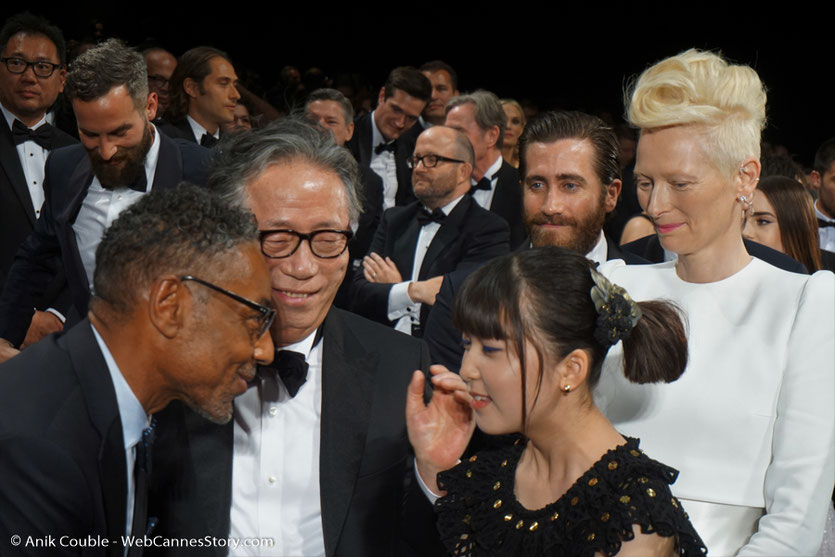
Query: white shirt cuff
{"type": "Point", "coordinates": [399, 302]}
{"type": "Point", "coordinates": [431, 495]}
{"type": "Point", "coordinates": [57, 314]}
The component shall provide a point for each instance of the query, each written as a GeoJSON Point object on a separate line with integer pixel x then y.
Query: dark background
{"type": "Point", "coordinates": [575, 56]}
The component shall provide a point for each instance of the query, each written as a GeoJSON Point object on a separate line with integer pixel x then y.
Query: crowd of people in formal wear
{"type": "Point", "coordinates": [434, 323]}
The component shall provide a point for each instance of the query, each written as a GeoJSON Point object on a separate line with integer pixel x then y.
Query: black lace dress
{"type": "Point", "coordinates": [481, 516]}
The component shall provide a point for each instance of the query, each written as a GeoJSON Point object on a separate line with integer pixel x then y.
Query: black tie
{"type": "Point", "coordinates": [208, 140]}
{"type": "Point", "coordinates": [291, 367]}
{"type": "Point", "coordinates": [484, 184]}
{"type": "Point", "coordinates": [385, 147]}
{"type": "Point", "coordinates": [43, 136]}
{"type": "Point", "coordinates": [142, 477]}
{"type": "Point", "coordinates": [424, 216]}
{"type": "Point", "coordinates": [825, 223]}
{"type": "Point", "coordinates": [140, 184]}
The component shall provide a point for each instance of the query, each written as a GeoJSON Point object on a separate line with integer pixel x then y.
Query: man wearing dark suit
{"type": "Point", "coordinates": [203, 96]}
{"type": "Point", "coordinates": [317, 458]}
{"type": "Point", "coordinates": [380, 142]}
{"type": "Point", "coordinates": [87, 185]}
{"type": "Point", "coordinates": [571, 181]}
{"type": "Point", "coordinates": [416, 245]}
{"type": "Point", "coordinates": [32, 75]}
{"type": "Point", "coordinates": [171, 319]}
{"type": "Point", "coordinates": [495, 184]}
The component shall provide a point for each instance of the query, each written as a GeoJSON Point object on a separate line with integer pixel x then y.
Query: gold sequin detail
{"type": "Point", "coordinates": [496, 486]}
{"type": "Point", "coordinates": [473, 458]}
{"type": "Point", "coordinates": [625, 499]}
{"type": "Point", "coordinates": [533, 526]}
{"type": "Point", "coordinates": [675, 503]}
{"type": "Point", "coordinates": [508, 517]}
{"type": "Point", "coordinates": [504, 463]}
{"type": "Point", "coordinates": [613, 465]}
{"type": "Point", "coordinates": [633, 452]}
{"type": "Point", "coordinates": [593, 482]}
{"type": "Point", "coordinates": [574, 501]}
{"type": "Point", "coordinates": [516, 442]}
{"type": "Point", "coordinates": [591, 537]}
{"type": "Point", "coordinates": [643, 480]}
{"type": "Point", "coordinates": [497, 503]}
{"type": "Point", "coordinates": [520, 524]}
{"type": "Point", "coordinates": [651, 492]}
{"type": "Point", "coordinates": [467, 519]}
{"type": "Point", "coordinates": [555, 516]}
{"type": "Point", "coordinates": [605, 517]}
{"type": "Point", "coordinates": [469, 473]}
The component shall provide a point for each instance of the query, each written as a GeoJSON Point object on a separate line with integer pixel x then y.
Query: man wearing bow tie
{"type": "Point", "coordinates": [32, 74]}
{"type": "Point", "coordinates": [823, 178]}
{"type": "Point", "coordinates": [445, 230]}
{"type": "Point", "coordinates": [495, 184]}
{"type": "Point", "coordinates": [317, 457]}
{"type": "Point", "coordinates": [86, 186]}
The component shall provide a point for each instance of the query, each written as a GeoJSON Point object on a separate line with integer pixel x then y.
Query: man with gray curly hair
{"type": "Point", "coordinates": [126, 157]}
{"type": "Point", "coordinates": [181, 310]}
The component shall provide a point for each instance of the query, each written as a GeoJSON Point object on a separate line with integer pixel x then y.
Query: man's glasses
{"type": "Point", "coordinates": [327, 244]}
{"type": "Point", "coordinates": [429, 161]}
{"type": "Point", "coordinates": [19, 65]}
{"type": "Point", "coordinates": [266, 317]}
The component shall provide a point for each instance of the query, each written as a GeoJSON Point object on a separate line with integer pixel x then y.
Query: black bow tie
{"type": "Point", "coordinates": [385, 147]}
{"type": "Point", "coordinates": [291, 367]}
{"type": "Point", "coordinates": [208, 140]}
{"type": "Point", "coordinates": [824, 223]}
{"type": "Point", "coordinates": [424, 216]}
{"type": "Point", "coordinates": [43, 136]}
{"type": "Point", "coordinates": [484, 184]}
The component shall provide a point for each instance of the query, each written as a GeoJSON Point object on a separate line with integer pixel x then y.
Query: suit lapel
{"type": "Point", "coordinates": [405, 241]}
{"type": "Point", "coordinates": [77, 187]}
{"type": "Point", "coordinates": [14, 171]}
{"type": "Point", "coordinates": [364, 140]}
{"type": "Point", "coordinates": [446, 235]}
{"type": "Point", "coordinates": [169, 169]}
{"type": "Point", "coordinates": [346, 392]}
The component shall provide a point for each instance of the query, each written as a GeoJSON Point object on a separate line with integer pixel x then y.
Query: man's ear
{"type": "Point", "coordinates": [167, 301]}
{"type": "Point", "coordinates": [611, 195]}
{"type": "Point", "coordinates": [191, 87]}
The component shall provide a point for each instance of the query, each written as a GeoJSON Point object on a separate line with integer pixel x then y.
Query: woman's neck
{"type": "Point", "coordinates": [722, 259]}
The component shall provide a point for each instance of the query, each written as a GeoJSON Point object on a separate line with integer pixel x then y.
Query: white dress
{"type": "Point", "coordinates": [751, 423]}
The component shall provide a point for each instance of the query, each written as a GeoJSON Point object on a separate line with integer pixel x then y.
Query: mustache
{"type": "Point", "coordinates": [555, 220]}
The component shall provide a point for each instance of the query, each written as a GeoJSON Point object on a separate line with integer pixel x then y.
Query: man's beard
{"type": "Point", "coordinates": [582, 233]}
{"type": "Point", "coordinates": [124, 166]}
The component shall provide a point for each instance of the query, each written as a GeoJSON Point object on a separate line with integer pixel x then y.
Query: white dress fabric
{"type": "Point", "coordinates": [751, 423]}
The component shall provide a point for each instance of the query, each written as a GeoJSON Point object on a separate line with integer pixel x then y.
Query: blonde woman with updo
{"type": "Point", "coordinates": [751, 423]}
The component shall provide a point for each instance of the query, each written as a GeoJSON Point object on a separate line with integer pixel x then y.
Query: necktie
{"type": "Point", "coordinates": [825, 223]}
{"type": "Point", "coordinates": [208, 141]}
{"type": "Point", "coordinates": [484, 184]}
{"type": "Point", "coordinates": [424, 216]}
{"type": "Point", "coordinates": [385, 147]}
{"type": "Point", "coordinates": [43, 136]}
{"type": "Point", "coordinates": [142, 476]}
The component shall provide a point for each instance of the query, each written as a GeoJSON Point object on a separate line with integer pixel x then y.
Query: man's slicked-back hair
{"type": "Point", "coordinates": [550, 127]}
{"type": "Point", "coordinates": [410, 81]}
{"type": "Point", "coordinates": [825, 156]}
{"type": "Point", "coordinates": [105, 66]}
{"type": "Point", "coordinates": [294, 138]}
{"type": "Point", "coordinates": [438, 65]}
{"type": "Point", "coordinates": [194, 64]}
{"type": "Point", "coordinates": [30, 24]}
{"type": "Point", "coordinates": [487, 108]}
{"type": "Point", "coordinates": [327, 94]}
{"type": "Point", "coordinates": [180, 231]}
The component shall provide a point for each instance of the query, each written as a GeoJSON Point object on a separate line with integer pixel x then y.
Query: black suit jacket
{"type": "Point", "coordinates": [444, 340]}
{"type": "Point", "coordinates": [371, 504]}
{"type": "Point", "coordinates": [649, 247]}
{"type": "Point", "coordinates": [507, 203]}
{"type": "Point", "coordinates": [52, 245]}
{"type": "Point", "coordinates": [470, 235]}
{"type": "Point", "coordinates": [17, 215]}
{"type": "Point", "coordinates": [177, 130]}
{"type": "Point", "coordinates": [62, 455]}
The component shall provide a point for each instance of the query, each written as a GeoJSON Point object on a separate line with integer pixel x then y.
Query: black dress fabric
{"type": "Point", "coordinates": [481, 516]}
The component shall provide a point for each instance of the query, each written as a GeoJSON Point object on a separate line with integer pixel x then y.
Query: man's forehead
{"type": "Point", "coordinates": [34, 41]}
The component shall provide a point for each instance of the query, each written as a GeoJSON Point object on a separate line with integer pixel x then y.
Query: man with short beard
{"type": "Point", "coordinates": [126, 157]}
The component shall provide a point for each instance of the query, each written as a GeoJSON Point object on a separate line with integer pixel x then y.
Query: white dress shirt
{"type": "Point", "coordinates": [485, 197]}
{"type": "Point", "coordinates": [827, 234]}
{"type": "Point", "coordinates": [199, 130]}
{"type": "Point", "coordinates": [134, 421]}
{"type": "Point", "coordinates": [32, 159]}
{"type": "Point", "coordinates": [102, 206]}
{"type": "Point", "coordinates": [275, 470]}
{"type": "Point", "coordinates": [384, 165]}
{"type": "Point", "coordinates": [400, 306]}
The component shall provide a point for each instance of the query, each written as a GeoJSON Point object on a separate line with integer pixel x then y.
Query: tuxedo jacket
{"type": "Point", "coordinates": [17, 214]}
{"type": "Point", "coordinates": [507, 203]}
{"type": "Point", "coordinates": [441, 336]}
{"type": "Point", "coordinates": [52, 245]}
{"type": "Point", "coordinates": [370, 501]}
{"type": "Point", "coordinates": [177, 130]}
{"type": "Point", "coordinates": [649, 247]}
{"type": "Point", "coordinates": [360, 146]}
{"type": "Point", "coordinates": [469, 236]}
{"type": "Point", "coordinates": [62, 455]}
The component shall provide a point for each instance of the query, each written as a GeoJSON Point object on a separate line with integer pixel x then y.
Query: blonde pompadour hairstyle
{"type": "Point", "coordinates": [700, 88]}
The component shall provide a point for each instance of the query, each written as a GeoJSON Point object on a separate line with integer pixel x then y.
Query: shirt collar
{"type": "Point", "coordinates": [10, 118]}
{"type": "Point", "coordinates": [132, 414]}
{"type": "Point", "coordinates": [199, 130]}
{"type": "Point", "coordinates": [304, 346]}
{"type": "Point", "coordinates": [820, 215]}
{"type": "Point", "coordinates": [376, 135]}
{"type": "Point", "coordinates": [599, 253]}
{"type": "Point", "coordinates": [151, 158]}
{"type": "Point", "coordinates": [493, 171]}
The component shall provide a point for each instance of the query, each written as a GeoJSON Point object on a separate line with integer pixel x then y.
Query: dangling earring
{"type": "Point", "coordinates": [747, 204]}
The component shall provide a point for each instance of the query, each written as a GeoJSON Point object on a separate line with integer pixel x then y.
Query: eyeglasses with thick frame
{"type": "Point", "coordinates": [42, 68]}
{"type": "Point", "coordinates": [429, 161]}
{"type": "Point", "coordinates": [267, 315]}
{"type": "Point", "coordinates": [325, 244]}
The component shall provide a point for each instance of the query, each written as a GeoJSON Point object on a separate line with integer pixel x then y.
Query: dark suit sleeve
{"type": "Point", "coordinates": [370, 299]}
{"type": "Point", "coordinates": [440, 334]}
{"type": "Point", "coordinates": [42, 493]}
{"type": "Point", "coordinates": [491, 240]}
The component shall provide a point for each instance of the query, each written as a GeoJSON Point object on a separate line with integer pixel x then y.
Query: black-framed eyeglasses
{"type": "Point", "coordinates": [41, 68]}
{"type": "Point", "coordinates": [266, 315]}
{"type": "Point", "coordinates": [157, 80]}
{"type": "Point", "coordinates": [326, 244]}
{"type": "Point", "coordinates": [429, 161]}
